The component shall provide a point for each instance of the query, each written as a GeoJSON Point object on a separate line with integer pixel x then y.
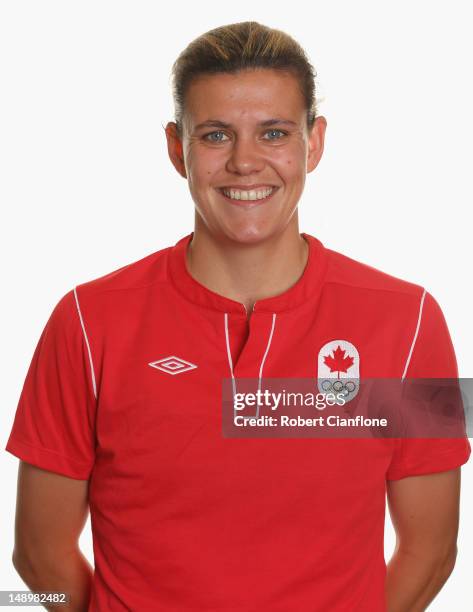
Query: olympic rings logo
{"type": "Point", "coordinates": [339, 386]}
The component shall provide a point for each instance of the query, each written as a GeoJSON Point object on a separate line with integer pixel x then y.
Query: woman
{"type": "Point", "coordinates": [121, 407]}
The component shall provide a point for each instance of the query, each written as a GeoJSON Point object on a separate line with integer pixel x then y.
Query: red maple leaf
{"type": "Point", "coordinates": [339, 362]}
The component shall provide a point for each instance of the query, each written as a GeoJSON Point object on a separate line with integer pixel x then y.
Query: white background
{"type": "Point", "coordinates": [86, 186]}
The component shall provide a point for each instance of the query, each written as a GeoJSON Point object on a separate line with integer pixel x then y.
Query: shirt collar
{"type": "Point", "coordinates": [306, 288]}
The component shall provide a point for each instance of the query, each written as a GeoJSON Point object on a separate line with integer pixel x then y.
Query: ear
{"type": "Point", "coordinates": [175, 150]}
{"type": "Point", "coordinates": [316, 143]}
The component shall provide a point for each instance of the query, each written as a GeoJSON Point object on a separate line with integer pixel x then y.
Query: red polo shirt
{"type": "Point", "coordinates": [125, 389]}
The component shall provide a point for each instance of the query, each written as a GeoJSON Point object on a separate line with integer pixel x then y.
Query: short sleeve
{"type": "Point", "coordinates": [53, 427]}
{"type": "Point", "coordinates": [432, 357]}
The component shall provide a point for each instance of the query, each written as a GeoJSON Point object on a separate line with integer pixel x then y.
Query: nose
{"type": "Point", "coordinates": [245, 158]}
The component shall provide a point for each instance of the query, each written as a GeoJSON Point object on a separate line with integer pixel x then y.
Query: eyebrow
{"type": "Point", "coordinates": [266, 123]}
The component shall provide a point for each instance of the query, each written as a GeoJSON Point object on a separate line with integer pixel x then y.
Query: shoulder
{"type": "Point", "coordinates": [112, 301]}
{"type": "Point", "coordinates": [400, 311]}
{"type": "Point", "coordinates": [373, 295]}
{"type": "Point", "coordinates": [353, 274]}
{"type": "Point", "coordinates": [139, 274]}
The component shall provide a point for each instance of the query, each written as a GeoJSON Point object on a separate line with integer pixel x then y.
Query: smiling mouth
{"type": "Point", "coordinates": [248, 196]}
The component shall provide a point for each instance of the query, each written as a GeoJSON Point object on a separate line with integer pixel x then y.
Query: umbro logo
{"type": "Point", "coordinates": [172, 365]}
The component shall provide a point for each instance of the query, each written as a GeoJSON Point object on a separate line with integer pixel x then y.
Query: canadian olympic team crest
{"type": "Point", "coordinates": [338, 369]}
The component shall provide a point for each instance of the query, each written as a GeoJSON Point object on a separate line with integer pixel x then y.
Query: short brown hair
{"type": "Point", "coordinates": [242, 46]}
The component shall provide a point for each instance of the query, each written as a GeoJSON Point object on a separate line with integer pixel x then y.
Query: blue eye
{"type": "Point", "coordinates": [277, 131]}
{"type": "Point", "coordinates": [206, 136]}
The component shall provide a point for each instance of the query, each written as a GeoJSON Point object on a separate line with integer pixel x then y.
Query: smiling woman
{"type": "Point", "coordinates": [246, 134]}
{"type": "Point", "coordinates": [125, 386]}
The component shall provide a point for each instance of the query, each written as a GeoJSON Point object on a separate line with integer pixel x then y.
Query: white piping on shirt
{"type": "Point", "coordinates": [266, 352]}
{"type": "Point", "coordinates": [229, 355]}
{"type": "Point", "coordinates": [230, 361]}
{"type": "Point", "coordinates": [87, 344]}
{"type": "Point", "coordinates": [419, 318]}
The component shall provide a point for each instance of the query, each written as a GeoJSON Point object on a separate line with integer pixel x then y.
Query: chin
{"type": "Point", "coordinates": [251, 234]}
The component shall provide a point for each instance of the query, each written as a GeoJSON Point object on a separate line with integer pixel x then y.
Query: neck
{"type": "Point", "coordinates": [247, 273]}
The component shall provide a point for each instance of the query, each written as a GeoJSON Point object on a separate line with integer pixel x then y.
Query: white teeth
{"type": "Point", "coordinates": [253, 194]}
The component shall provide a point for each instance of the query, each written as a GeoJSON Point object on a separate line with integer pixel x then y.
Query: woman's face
{"type": "Point", "coordinates": [245, 151]}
